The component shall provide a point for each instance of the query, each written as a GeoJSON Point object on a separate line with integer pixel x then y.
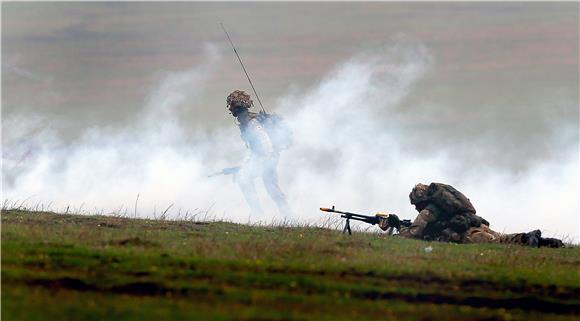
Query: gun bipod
{"type": "Point", "coordinates": [346, 225]}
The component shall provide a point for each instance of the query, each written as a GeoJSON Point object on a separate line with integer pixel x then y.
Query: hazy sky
{"type": "Point", "coordinates": [500, 90]}
{"type": "Point", "coordinates": [96, 61]}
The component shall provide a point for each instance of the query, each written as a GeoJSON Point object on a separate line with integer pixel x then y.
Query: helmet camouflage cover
{"type": "Point", "coordinates": [419, 194]}
{"type": "Point", "coordinates": [239, 98]}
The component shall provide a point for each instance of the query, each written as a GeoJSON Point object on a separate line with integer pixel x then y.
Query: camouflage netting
{"type": "Point", "coordinates": [239, 98]}
{"type": "Point", "coordinates": [419, 194]}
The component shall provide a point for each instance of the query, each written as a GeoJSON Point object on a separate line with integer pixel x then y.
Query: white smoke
{"type": "Point", "coordinates": [348, 152]}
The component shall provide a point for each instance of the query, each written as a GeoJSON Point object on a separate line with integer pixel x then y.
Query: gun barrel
{"type": "Point", "coordinates": [367, 219]}
{"type": "Point", "coordinates": [360, 216]}
{"type": "Point", "coordinates": [354, 216]}
{"type": "Point", "coordinates": [332, 210]}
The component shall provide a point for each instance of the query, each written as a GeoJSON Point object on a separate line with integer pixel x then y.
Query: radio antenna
{"type": "Point", "coordinates": [244, 68]}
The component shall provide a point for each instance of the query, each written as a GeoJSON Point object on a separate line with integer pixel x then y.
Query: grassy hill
{"type": "Point", "coordinates": [70, 267]}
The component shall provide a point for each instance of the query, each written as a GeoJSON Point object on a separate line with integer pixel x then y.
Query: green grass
{"type": "Point", "coordinates": [70, 267]}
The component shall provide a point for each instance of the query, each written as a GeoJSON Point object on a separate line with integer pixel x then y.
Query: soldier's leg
{"type": "Point", "coordinates": [529, 239]}
{"type": "Point", "coordinates": [270, 179]}
{"type": "Point", "coordinates": [245, 180]}
{"type": "Point", "coordinates": [514, 238]}
{"type": "Point", "coordinates": [481, 234]}
{"type": "Point", "coordinates": [533, 239]}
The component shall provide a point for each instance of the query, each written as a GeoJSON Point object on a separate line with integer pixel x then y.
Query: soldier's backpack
{"type": "Point", "coordinates": [278, 130]}
{"type": "Point", "coordinates": [450, 200]}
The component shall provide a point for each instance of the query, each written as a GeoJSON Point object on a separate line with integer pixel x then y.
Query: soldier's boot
{"type": "Point", "coordinates": [532, 238]}
{"type": "Point", "coordinates": [551, 242]}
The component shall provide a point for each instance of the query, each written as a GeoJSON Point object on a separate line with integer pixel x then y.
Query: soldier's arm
{"type": "Point", "coordinates": [416, 229]}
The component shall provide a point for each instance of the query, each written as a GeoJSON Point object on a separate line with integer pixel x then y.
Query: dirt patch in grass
{"type": "Point", "coordinates": [141, 288]}
{"type": "Point", "coordinates": [527, 302]}
{"type": "Point", "coordinates": [64, 283]}
{"type": "Point", "coordinates": [428, 281]}
{"type": "Point", "coordinates": [133, 241]}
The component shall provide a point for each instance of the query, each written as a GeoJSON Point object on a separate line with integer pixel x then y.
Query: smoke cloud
{"type": "Point", "coordinates": [355, 147]}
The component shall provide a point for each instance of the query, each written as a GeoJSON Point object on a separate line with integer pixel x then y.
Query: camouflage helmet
{"type": "Point", "coordinates": [239, 98]}
{"type": "Point", "coordinates": [419, 194]}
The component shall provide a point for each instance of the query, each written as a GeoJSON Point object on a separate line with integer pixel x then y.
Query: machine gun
{"type": "Point", "coordinates": [365, 218]}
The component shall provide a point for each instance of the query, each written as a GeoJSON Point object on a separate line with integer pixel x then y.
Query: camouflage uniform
{"type": "Point", "coordinates": [483, 234]}
{"type": "Point", "coordinates": [445, 214]}
{"type": "Point", "coordinates": [262, 159]}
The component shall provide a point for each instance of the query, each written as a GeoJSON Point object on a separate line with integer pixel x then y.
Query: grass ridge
{"type": "Point", "coordinates": [223, 271]}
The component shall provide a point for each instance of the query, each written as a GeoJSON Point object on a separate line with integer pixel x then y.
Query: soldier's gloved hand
{"type": "Point", "coordinates": [394, 221]}
{"type": "Point", "coordinates": [383, 223]}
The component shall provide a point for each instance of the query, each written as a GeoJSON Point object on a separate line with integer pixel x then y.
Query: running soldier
{"type": "Point", "coordinates": [445, 214]}
{"type": "Point", "coordinates": [264, 145]}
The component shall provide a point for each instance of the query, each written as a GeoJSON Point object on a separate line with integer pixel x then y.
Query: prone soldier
{"type": "Point", "coordinates": [445, 214]}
